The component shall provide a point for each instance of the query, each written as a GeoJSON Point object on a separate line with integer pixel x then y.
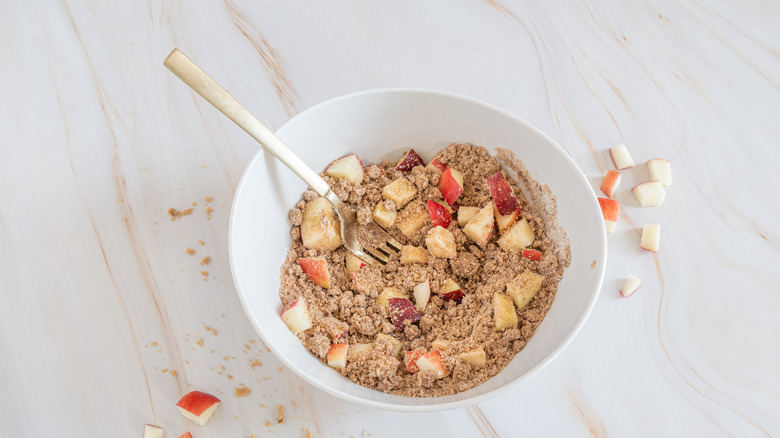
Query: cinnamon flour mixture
{"type": "Point", "coordinates": [472, 347]}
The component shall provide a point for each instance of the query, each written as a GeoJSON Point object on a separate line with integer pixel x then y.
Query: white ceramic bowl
{"type": "Point", "coordinates": [379, 125]}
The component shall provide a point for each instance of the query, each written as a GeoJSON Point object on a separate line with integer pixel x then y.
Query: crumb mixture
{"type": "Point", "coordinates": [351, 309]}
{"type": "Point", "coordinates": [280, 414]}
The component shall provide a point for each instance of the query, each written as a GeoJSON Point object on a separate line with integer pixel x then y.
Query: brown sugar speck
{"type": "Point", "coordinates": [174, 373]}
{"type": "Point", "coordinates": [280, 414]}
{"type": "Point", "coordinates": [153, 344]}
{"type": "Point", "coordinates": [209, 199]}
{"type": "Point", "coordinates": [190, 251]}
{"type": "Point", "coordinates": [175, 214]}
{"type": "Point", "coordinates": [201, 242]}
{"type": "Point", "coordinates": [164, 370]}
{"type": "Point", "coordinates": [268, 423]}
{"type": "Point", "coordinates": [229, 377]}
{"type": "Point", "coordinates": [205, 260]}
{"type": "Point", "coordinates": [200, 342]}
{"type": "Point", "coordinates": [242, 391]}
{"type": "Point", "coordinates": [279, 370]}
{"type": "Point", "coordinates": [255, 363]}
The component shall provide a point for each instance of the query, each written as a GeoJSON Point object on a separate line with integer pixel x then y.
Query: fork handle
{"type": "Point", "coordinates": [199, 81]}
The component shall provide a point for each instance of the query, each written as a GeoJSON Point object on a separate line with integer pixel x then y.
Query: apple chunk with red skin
{"type": "Point", "coordinates": [451, 185]}
{"type": "Point", "coordinates": [401, 311]}
{"type": "Point", "coordinates": [317, 270]}
{"type": "Point", "coordinates": [348, 167]}
{"type": "Point", "coordinates": [611, 183]}
{"type": "Point", "coordinates": [532, 254]}
{"type": "Point", "coordinates": [353, 263]}
{"type": "Point", "coordinates": [517, 237]}
{"type": "Point", "coordinates": [451, 291]}
{"type": "Point", "coordinates": [440, 215]}
{"type": "Point", "coordinates": [185, 435]}
{"type": "Point", "coordinates": [410, 359]}
{"type": "Point", "coordinates": [436, 165]}
{"type": "Point", "coordinates": [198, 406]}
{"type": "Point", "coordinates": [480, 226]}
{"type": "Point", "coordinates": [409, 161]}
{"type": "Point", "coordinates": [610, 209]}
{"type": "Point", "coordinates": [433, 361]}
{"type": "Point", "coordinates": [152, 431]}
{"type": "Point", "coordinates": [502, 193]}
{"type": "Point", "coordinates": [296, 316]}
{"type": "Point", "coordinates": [504, 221]}
{"type": "Point", "coordinates": [632, 285]}
{"type": "Point", "coordinates": [337, 356]}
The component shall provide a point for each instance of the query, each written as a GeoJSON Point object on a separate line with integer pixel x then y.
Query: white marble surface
{"type": "Point", "coordinates": [98, 140]}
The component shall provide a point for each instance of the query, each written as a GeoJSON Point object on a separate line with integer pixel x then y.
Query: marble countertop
{"type": "Point", "coordinates": [106, 320]}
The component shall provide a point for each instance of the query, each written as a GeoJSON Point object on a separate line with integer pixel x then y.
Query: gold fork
{"type": "Point", "coordinates": [198, 80]}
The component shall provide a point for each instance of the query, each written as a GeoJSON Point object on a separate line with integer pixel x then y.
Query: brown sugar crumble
{"type": "Point", "coordinates": [190, 251]}
{"type": "Point", "coordinates": [175, 214]}
{"type": "Point", "coordinates": [205, 260]}
{"type": "Point", "coordinates": [242, 391]}
{"type": "Point", "coordinates": [468, 336]}
{"type": "Point", "coordinates": [280, 414]}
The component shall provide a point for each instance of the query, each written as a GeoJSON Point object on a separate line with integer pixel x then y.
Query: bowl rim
{"type": "Point", "coordinates": [433, 406]}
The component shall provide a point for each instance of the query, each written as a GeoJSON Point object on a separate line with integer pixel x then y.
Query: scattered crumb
{"type": "Point", "coordinates": [205, 275]}
{"type": "Point", "coordinates": [201, 242]}
{"type": "Point", "coordinates": [205, 260]}
{"type": "Point", "coordinates": [229, 377]}
{"type": "Point", "coordinates": [208, 213]}
{"type": "Point", "coordinates": [268, 423]}
{"type": "Point", "coordinates": [307, 433]}
{"type": "Point", "coordinates": [190, 251]}
{"type": "Point", "coordinates": [280, 414]}
{"type": "Point", "coordinates": [593, 265]}
{"type": "Point", "coordinates": [175, 214]}
{"type": "Point", "coordinates": [193, 203]}
{"type": "Point", "coordinates": [279, 370]}
{"type": "Point", "coordinates": [200, 342]}
{"type": "Point", "coordinates": [209, 199]}
{"type": "Point", "coordinates": [212, 330]}
{"type": "Point", "coordinates": [153, 344]}
{"type": "Point", "coordinates": [164, 370]}
{"type": "Point", "coordinates": [174, 373]}
{"type": "Point", "coordinates": [255, 363]}
{"type": "Point", "coordinates": [242, 391]}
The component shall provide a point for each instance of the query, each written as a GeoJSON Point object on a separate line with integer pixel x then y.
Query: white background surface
{"type": "Point", "coordinates": [98, 140]}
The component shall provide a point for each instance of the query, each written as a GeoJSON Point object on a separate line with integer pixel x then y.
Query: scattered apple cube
{"type": "Point", "coordinates": [517, 237]}
{"type": "Point", "coordinates": [403, 313]}
{"type": "Point", "coordinates": [523, 288]}
{"type": "Point", "coordinates": [400, 191]}
{"type": "Point", "coordinates": [480, 226]}
{"type": "Point", "coordinates": [422, 293]}
{"type": "Point", "coordinates": [532, 254]}
{"type": "Point", "coordinates": [433, 361]}
{"type": "Point", "coordinates": [651, 237]}
{"type": "Point", "coordinates": [504, 221]}
{"type": "Point", "coordinates": [440, 344]}
{"type": "Point", "coordinates": [410, 359]}
{"type": "Point", "coordinates": [198, 406]}
{"type": "Point", "coordinates": [337, 356]}
{"type": "Point", "coordinates": [358, 350]}
{"type": "Point", "coordinates": [413, 254]}
{"type": "Point", "coordinates": [441, 243]}
{"type": "Point", "coordinates": [296, 316]}
{"type": "Point", "coordinates": [440, 215]}
{"type": "Point", "coordinates": [319, 229]}
{"type": "Point", "coordinates": [632, 285]}
{"type": "Point", "coordinates": [383, 217]}
{"type": "Point", "coordinates": [660, 170]}
{"type": "Point", "coordinates": [185, 435]}
{"type": "Point", "coordinates": [451, 185]}
{"type": "Point", "coordinates": [650, 194]}
{"type": "Point", "coordinates": [504, 315]}
{"type": "Point", "coordinates": [354, 263]}
{"type": "Point", "coordinates": [383, 299]}
{"type": "Point", "coordinates": [451, 291]}
{"type": "Point", "coordinates": [152, 431]}
{"type": "Point", "coordinates": [475, 358]}
{"type": "Point", "coordinates": [348, 167]}
{"type": "Point", "coordinates": [610, 210]}
{"type": "Point", "coordinates": [503, 196]}
{"type": "Point", "coordinates": [611, 183]}
{"type": "Point", "coordinates": [411, 219]}
{"type": "Point", "coordinates": [436, 165]}
{"type": "Point", "coordinates": [465, 214]}
{"type": "Point", "coordinates": [395, 342]}
{"type": "Point", "coordinates": [621, 157]}
{"type": "Point", "coordinates": [409, 161]}
{"type": "Point", "coordinates": [317, 270]}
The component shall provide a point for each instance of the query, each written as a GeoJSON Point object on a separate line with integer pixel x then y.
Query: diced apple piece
{"type": "Point", "coordinates": [400, 191]}
{"type": "Point", "coordinates": [296, 316]}
{"type": "Point", "coordinates": [651, 237]}
{"type": "Point", "coordinates": [632, 285]}
{"type": "Point", "coordinates": [185, 435]}
{"type": "Point", "coordinates": [504, 221]}
{"type": "Point", "coordinates": [319, 229]}
{"type": "Point", "coordinates": [532, 254]}
{"type": "Point", "coordinates": [650, 194]}
{"type": "Point", "coordinates": [334, 327]}
{"type": "Point", "coordinates": [660, 170]}
{"type": "Point", "coordinates": [475, 358]}
{"type": "Point", "coordinates": [383, 299]}
{"type": "Point", "coordinates": [411, 219]}
{"type": "Point", "coordinates": [422, 293]}
{"type": "Point", "coordinates": [440, 344]}
{"type": "Point", "coordinates": [503, 196]}
{"type": "Point", "coordinates": [383, 217]}
{"type": "Point", "coordinates": [409, 161]}
{"type": "Point", "coordinates": [433, 361]}
{"type": "Point", "coordinates": [621, 157]}
{"type": "Point", "coordinates": [436, 165]}
{"type": "Point", "coordinates": [403, 313]}
{"type": "Point", "coordinates": [610, 210]}
{"type": "Point", "coordinates": [348, 167]}
{"type": "Point", "coordinates": [413, 254]}
{"type": "Point", "coordinates": [198, 406]}
{"type": "Point", "coordinates": [354, 263]}
{"type": "Point", "coordinates": [440, 215]}
{"type": "Point", "coordinates": [451, 291]}
{"type": "Point", "coordinates": [410, 359]}
{"type": "Point", "coordinates": [504, 315]}
{"type": "Point", "coordinates": [317, 270]}
{"type": "Point", "coordinates": [451, 185]}
{"type": "Point", "coordinates": [523, 288]}
{"type": "Point", "coordinates": [395, 342]}
{"type": "Point", "coordinates": [465, 214]}
{"type": "Point", "coordinates": [358, 350]}
{"type": "Point", "coordinates": [441, 243]}
{"type": "Point", "coordinates": [152, 431]}
{"type": "Point", "coordinates": [517, 237]}
{"type": "Point", "coordinates": [611, 183]}
{"type": "Point", "coordinates": [480, 226]}
{"type": "Point", "coordinates": [337, 356]}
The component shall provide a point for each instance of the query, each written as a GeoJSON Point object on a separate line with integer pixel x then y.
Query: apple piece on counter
{"type": "Point", "coordinates": [441, 243]}
{"type": "Point", "coordinates": [152, 431]}
{"type": "Point", "coordinates": [198, 406]}
{"type": "Point", "coordinates": [465, 214]}
{"type": "Point", "coordinates": [532, 254]}
{"type": "Point", "coordinates": [317, 270]}
{"type": "Point", "coordinates": [631, 286]}
{"type": "Point", "coordinates": [409, 161]}
{"type": "Point", "coordinates": [651, 237]}
{"type": "Point", "coordinates": [504, 315]}
{"type": "Point", "coordinates": [620, 157]}
{"type": "Point", "coordinates": [383, 299]}
{"type": "Point", "coordinates": [451, 291]}
{"type": "Point", "coordinates": [610, 210]}
{"type": "Point", "coordinates": [650, 194]}
{"type": "Point", "coordinates": [354, 263]}
{"type": "Point", "coordinates": [358, 350]}
{"type": "Point", "coordinates": [436, 165]}
{"type": "Point", "coordinates": [348, 167]}
{"type": "Point", "coordinates": [504, 221]}
{"type": "Point", "coordinates": [451, 185]}
{"type": "Point", "coordinates": [410, 359]}
{"type": "Point", "coordinates": [185, 435]}
{"type": "Point", "coordinates": [319, 230]}
{"type": "Point", "coordinates": [395, 342]}
{"type": "Point", "coordinates": [402, 311]}
{"type": "Point", "coordinates": [411, 219]}
{"type": "Point", "coordinates": [660, 170]}
{"type": "Point", "coordinates": [337, 356]}
{"type": "Point", "coordinates": [334, 327]}
{"type": "Point", "coordinates": [413, 254]}
{"type": "Point", "coordinates": [422, 293]}
{"type": "Point", "coordinates": [440, 344]}
{"type": "Point", "coordinates": [296, 316]}
{"type": "Point", "coordinates": [433, 361]}
{"type": "Point", "coordinates": [611, 183]}
{"type": "Point", "coordinates": [476, 358]}
{"type": "Point", "coordinates": [503, 196]}
{"type": "Point", "coordinates": [523, 288]}
{"type": "Point", "coordinates": [440, 215]}
{"type": "Point", "coordinates": [383, 217]}
{"type": "Point", "coordinates": [400, 191]}
{"type": "Point", "coordinates": [517, 237]}
{"type": "Point", "coordinates": [480, 226]}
